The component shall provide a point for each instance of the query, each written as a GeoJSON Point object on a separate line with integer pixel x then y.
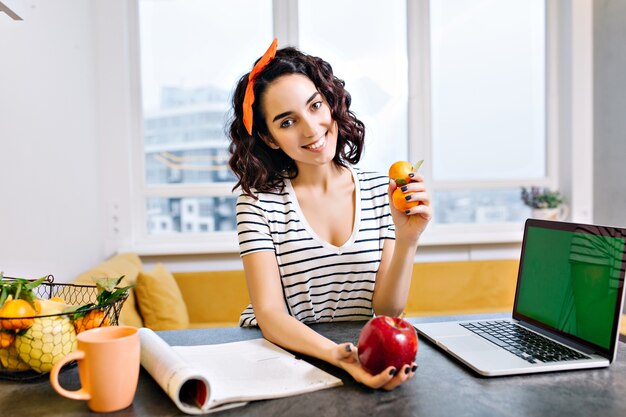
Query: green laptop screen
{"type": "Point", "coordinates": [570, 280]}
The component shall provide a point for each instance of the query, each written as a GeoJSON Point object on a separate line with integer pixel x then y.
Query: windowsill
{"type": "Point", "coordinates": [474, 234]}
{"type": "Point", "coordinates": [181, 248]}
{"type": "Point", "coordinates": [439, 242]}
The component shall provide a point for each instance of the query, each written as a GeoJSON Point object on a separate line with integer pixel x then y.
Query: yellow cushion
{"type": "Point", "coordinates": [443, 288]}
{"type": "Point", "coordinates": [127, 264]}
{"type": "Point", "coordinates": [160, 300]}
{"type": "Point", "coordinates": [216, 297]}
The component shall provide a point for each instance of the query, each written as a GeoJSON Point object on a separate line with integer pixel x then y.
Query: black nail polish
{"type": "Point", "coordinates": [348, 348]}
{"type": "Point", "coordinates": [407, 211]}
{"type": "Point", "coordinates": [404, 188]}
{"type": "Point", "coordinates": [411, 175]}
{"type": "Point", "coordinates": [414, 368]}
{"type": "Point", "coordinates": [407, 370]}
{"type": "Point", "coordinates": [407, 198]}
{"type": "Point", "coordinates": [392, 372]}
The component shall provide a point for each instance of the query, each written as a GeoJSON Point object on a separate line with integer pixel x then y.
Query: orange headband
{"type": "Point", "coordinates": [248, 98]}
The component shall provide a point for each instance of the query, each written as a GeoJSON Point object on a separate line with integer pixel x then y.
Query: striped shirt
{"type": "Point", "coordinates": [321, 282]}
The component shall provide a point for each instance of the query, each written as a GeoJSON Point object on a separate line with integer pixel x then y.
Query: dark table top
{"type": "Point", "coordinates": [441, 387]}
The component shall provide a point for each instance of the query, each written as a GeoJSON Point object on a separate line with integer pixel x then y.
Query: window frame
{"type": "Point", "coordinates": [285, 25]}
{"type": "Point", "coordinates": [421, 140]}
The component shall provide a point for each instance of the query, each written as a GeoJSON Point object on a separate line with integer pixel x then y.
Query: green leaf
{"type": "Point", "coordinates": [79, 311]}
{"type": "Point", "coordinates": [33, 284]}
{"type": "Point", "coordinates": [3, 296]}
{"type": "Point", "coordinates": [417, 165]}
{"type": "Point", "coordinates": [19, 289]}
{"type": "Point", "coordinates": [107, 284]}
{"type": "Point", "coordinates": [108, 294]}
{"type": "Point", "coordinates": [401, 181]}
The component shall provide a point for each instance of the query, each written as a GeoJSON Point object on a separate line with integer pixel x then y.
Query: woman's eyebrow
{"type": "Point", "coordinates": [317, 93]}
{"type": "Point", "coordinates": [287, 113]}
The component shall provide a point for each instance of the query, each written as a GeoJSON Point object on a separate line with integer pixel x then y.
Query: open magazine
{"type": "Point", "coordinates": [208, 378]}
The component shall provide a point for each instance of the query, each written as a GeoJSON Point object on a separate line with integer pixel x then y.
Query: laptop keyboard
{"type": "Point", "coordinates": [528, 345]}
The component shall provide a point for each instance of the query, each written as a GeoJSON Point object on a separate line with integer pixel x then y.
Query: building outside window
{"type": "Point", "coordinates": [471, 72]}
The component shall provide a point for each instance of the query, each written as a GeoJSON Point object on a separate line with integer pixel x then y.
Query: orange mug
{"type": "Point", "coordinates": [108, 368]}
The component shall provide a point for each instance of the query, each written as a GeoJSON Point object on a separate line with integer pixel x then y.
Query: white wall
{"type": "Point", "coordinates": [609, 191]}
{"type": "Point", "coordinates": [50, 203]}
{"type": "Point", "coordinates": [610, 107]}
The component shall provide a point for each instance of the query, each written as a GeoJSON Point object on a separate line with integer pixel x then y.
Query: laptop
{"type": "Point", "coordinates": [567, 309]}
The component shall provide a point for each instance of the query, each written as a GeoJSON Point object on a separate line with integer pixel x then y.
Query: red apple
{"type": "Point", "coordinates": [387, 341]}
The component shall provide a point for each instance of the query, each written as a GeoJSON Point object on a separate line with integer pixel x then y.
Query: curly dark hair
{"type": "Point", "coordinates": [259, 167]}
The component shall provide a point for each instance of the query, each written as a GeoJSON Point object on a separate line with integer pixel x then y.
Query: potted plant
{"type": "Point", "coordinates": [545, 203]}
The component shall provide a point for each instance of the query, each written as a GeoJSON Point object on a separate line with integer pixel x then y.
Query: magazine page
{"type": "Point", "coordinates": [188, 388]}
{"type": "Point", "coordinates": [254, 370]}
{"type": "Point", "coordinates": [208, 378]}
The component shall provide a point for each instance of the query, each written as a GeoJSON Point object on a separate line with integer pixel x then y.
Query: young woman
{"type": "Point", "coordinates": [318, 238]}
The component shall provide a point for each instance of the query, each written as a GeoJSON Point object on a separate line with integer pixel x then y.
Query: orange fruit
{"type": "Point", "coordinates": [399, 172]}
{"type": "Point", "coordinates": [91, 320]}
{"type": "Point", "coordinates": [18, 314]}
{"type": "Point", "coordinates": [400, 202]}
{"type": "Point", "coordinates": [6, 338]}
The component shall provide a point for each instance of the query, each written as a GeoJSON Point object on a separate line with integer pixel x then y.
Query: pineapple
{"type": "Point", "coordinates": [11, 360]}
{"type": "Point", "coordinates": [46, 342]}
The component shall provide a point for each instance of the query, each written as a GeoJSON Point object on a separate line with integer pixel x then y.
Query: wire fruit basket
{"type": "Point", "coordinates": [28, 353]}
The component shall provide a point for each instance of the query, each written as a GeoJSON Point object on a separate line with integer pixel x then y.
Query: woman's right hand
{"type": "Point", "coordinates": [347, 358]}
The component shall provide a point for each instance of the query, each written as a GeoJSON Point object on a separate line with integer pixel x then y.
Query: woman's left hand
{"type": "Point", "coordinates": [346, 356]}
{"type": "Point", "coordinates": [412, 223]}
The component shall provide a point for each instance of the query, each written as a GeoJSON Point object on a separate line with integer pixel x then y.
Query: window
{"type": "Point", "coordinates": [365, 41]}
{"type": "Point", "coordinates": [188, 70]}
{"type": "Point", "coordinates": [459, 83]}
{"type": "Point", "coordinates": [488, 107]}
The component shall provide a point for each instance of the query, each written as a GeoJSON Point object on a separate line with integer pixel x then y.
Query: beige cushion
{"type": "Point", "coordinates": [127, 264]}
{"type": "Point", "coordinates": [160, 300]}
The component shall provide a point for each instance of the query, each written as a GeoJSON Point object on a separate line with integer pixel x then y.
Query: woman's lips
{"type": "Point", "coordinates": [317, 145]}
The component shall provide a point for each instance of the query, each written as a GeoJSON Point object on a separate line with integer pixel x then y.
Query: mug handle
{"type": "Point", "coordinates": [79, 394]}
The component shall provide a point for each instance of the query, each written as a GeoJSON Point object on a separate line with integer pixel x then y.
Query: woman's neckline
{"type": "Point", "coordinates": [357, 215]}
